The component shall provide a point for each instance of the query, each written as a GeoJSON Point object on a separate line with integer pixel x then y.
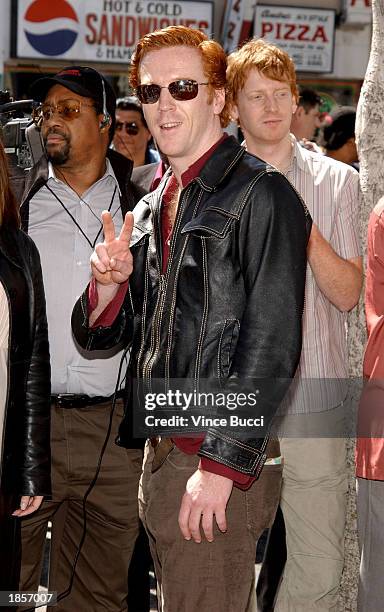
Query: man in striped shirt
{"type": "Point", "coordinates": [263, 90]}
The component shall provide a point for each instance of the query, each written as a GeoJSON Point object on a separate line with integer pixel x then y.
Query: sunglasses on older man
{"type": "Point", "coordinates": [67, 109]}
{"type": "Point", "coordinates": [130, 127]}
{"type": "Point", "coordinates": [182, 89]}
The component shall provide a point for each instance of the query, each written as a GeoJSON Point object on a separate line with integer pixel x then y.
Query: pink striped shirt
{"type": "Point", "coordinates": [331, 192]}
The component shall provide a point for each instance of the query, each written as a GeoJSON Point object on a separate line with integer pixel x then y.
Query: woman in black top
{"type": "Point", "coordinates": [24, 382]}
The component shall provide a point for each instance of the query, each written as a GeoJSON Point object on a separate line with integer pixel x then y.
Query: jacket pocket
{"type": "Point", "coordinates": [212, 222]}
{"type": "Point", "coordinates": [227, 346]}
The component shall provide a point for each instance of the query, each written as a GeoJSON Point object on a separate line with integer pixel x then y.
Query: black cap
{"type": "Point", "coordinates": [341, 129]}
{"type": "Point", "coordinates": [83, 81]}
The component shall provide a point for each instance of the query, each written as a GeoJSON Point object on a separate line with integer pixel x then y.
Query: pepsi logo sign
{"type": "Point", "coordinates": [51, 27]}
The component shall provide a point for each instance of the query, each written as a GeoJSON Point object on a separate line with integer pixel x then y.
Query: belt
{"type": "Point", "coordinates": [74, 400]}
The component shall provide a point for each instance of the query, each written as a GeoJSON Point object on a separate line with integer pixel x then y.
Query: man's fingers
{"type": "Point", "coordinates": [207, 525]}
{"type": "Point", "coordinates": [185, 510]}
{"type": "Point", "coordinates": [194, 523]}
{"type": "Point", "coordinates": [126, 230]}
{"type": "Point", "coordinates": [108, 227]}
{"type": "Point", "coordinates": [100, 259]}
{"type": "Point", "coordinates": [221, 519]}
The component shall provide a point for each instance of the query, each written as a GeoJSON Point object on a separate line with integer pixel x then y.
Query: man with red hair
{"type": "Point", "coordinates": [261, 84]}
{"type": "Point", "coordinates": [216, 270]}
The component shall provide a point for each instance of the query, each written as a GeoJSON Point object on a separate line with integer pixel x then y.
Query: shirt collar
{"type": "Point", "coordinates": [108, 172]}
{"type": "Point", "coordinates": [298, 154]}
{"type": "Point", "coordinates": [194, 170]}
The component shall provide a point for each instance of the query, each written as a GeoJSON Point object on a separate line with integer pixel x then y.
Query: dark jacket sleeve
{"type": "Point", "coordinates": [106, 337]}
{"type": "Point", "coordinates": [36, 461]}
{"type": "Point", "coordinates": [273, 239]}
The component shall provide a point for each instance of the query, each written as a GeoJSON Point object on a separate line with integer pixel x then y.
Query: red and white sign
{"type": "Point", "coordinates": [99, 30]}
{"type": "Point", "coordinates": [358, 11]}
{"type": "Point", "coordinates": [237, 23]}
{"type": "Point", "coordinates": [307, 35]}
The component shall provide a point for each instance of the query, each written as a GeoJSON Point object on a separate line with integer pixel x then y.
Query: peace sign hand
{"type": "Point", "coordinates": [111, 261]}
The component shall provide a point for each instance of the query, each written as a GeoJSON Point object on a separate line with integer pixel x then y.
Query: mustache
{"type": "Point", "coordinates": [56, 132]}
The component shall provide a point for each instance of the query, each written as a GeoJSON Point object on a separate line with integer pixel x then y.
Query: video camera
{"type": "Point", "coordinates": [20, 136]}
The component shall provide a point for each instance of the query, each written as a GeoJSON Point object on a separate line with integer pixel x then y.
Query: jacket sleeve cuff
{"type": "Point", "coordinates": [245, 456]}
{"type": "Point", "coordinates": [242, 481]}
{"type": "Point", "coordinates": [109, 313]}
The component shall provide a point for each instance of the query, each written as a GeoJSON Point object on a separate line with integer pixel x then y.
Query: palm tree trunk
{"type": "Point", "coordinates": [370, 143]}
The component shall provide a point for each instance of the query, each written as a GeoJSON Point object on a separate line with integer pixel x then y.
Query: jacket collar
{"type": "Point", "coordinates": [221, 162]}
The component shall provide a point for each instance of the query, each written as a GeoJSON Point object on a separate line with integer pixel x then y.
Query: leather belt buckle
{"type": "Point", "coordinates": [75, 400]}
{"type": "Point", "coordinates": [71, 400]}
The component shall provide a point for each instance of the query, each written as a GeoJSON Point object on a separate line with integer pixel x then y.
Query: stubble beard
{"type": "Point", "coordinates": [58, 156]}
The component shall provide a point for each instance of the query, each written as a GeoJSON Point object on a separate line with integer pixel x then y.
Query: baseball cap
{"type": "Point", "coordinates": [82, 80]}
{"type": "Point", "coordinates": [341, 129]}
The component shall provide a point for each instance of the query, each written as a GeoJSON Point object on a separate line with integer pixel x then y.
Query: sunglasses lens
{"type": "Point", "coordinates": [183, 89]}
{"type": "Point", "coordinates": [44, 111]}
{"type": "Point", "coordinates": [68, 110]}
{"type": "Point", "coordinates": [148, 94]}
{"type": "Point", "coordinates": [37, 114]}
{"type": "Point", "coordinates": [132, 129]}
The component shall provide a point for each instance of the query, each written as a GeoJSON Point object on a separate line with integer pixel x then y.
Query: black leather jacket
{"type": "Point", "coordinates": [229, 306]}
{"type": "Point", "coordinates": [25, 466]}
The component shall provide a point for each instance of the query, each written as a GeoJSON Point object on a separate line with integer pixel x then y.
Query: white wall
{"type": "Point", "coordinates": [351, 52]}
{"type": "Point", "coordinates": [5, 36]}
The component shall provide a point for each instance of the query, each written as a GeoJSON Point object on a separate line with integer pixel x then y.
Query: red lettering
{"type": "Point", "coordinates": [117, 27]}
{"type": "Point", "coordinates": [231, 29]}
{"type": "Point", "coordinates": [164, 23]}
{"type": "Point", "coordinates": [320, 35]}
{"type": "Point", "coordinates": [130, 31]}
{"type": "Point", "coordinates": [203, 25]}
{"type": "Point", "coordinates": [290, 27]}
{"type": "Point", "coordinates": [266, 28]}
{"type": "Point", "coordinates": [88, 20]}
{"type": "Point", "coordinates": [303, 30]}
{"type": "Point", "coordinates": [103, 32]}
{"type": "Point", "coordinates": [144, 25]}
{"type": "Point", "coordinates": [367, 3]}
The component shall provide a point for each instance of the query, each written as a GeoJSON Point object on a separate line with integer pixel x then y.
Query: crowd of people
{"type": "Point", "coordinates": [223, 265]}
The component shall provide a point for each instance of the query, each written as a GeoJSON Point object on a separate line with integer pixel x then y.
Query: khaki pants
{"type": "Point", "coordinates": [100, 582]}
{"type": "Point", "coordinates": [370, 521]}
{"type": "Point", "coordinates": [313, 501]}
{"type": "Point", "coordinates": [206, 577]}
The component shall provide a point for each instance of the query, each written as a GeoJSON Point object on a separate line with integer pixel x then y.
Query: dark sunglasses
{"type": "Point", "coordinates": [182, 89]}
{"type": "Point", "coordinates": [67, 109]}
{"type": "Point", "coordinates": [130, 127]}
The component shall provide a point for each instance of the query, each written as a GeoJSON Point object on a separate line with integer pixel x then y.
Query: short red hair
{"type": "Point", "coordinates": [268, 59]}
{"type": "Point", "coordinates": [212, 55]}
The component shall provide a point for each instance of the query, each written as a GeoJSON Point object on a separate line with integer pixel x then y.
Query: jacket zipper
{"type": "Point", "coordinates": [163, 280]}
